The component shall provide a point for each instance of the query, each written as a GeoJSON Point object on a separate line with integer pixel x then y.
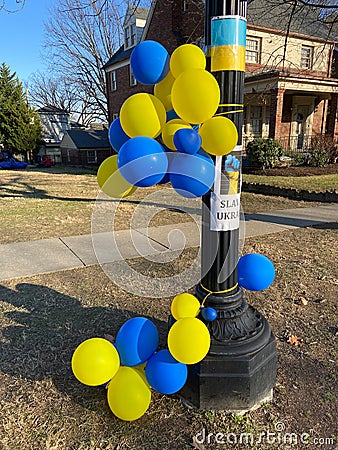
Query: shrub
{"type": "Point", "coordinates": [264, 153]}
{"type": "Point", "coordinates": [298, 158]}
{"type": "Point", "coordinates": [322, 151]}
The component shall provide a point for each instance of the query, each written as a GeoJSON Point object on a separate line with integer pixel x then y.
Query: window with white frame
{"type": "Point", "coordinates": [113, 83]}
{"type": "Point", "coordinates": [306, 57]}
{"type": "Point", "coordinates": [115, 115]}
{"type": "Point", "coordinates": [256, 119]}
{"type": "Point", "coordinates": [185, 5]}
{"type": "Point", "coordinates": [130, 35]}
{"type": "Point", "coordinates": [253, 50]}
{"type": "Point", "coordinates": [132, 79]}
{"type": "Point", "coordinates": [127, 37]}
{"type": "Point", "coordinates": [91, 156]}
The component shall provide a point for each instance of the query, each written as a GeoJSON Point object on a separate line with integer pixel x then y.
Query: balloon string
{"type": "Point", "coordinates": [231, 104]}
{"type": "Point", "coordinates": [216, 292]}
{"type": "Point", "coordinates": [230, 112]}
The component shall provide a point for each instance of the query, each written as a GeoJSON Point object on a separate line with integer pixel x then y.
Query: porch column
{"type": "Point", "coordinates": [276, 109]}
{"type": "Point", "coordinates": [332, 119]}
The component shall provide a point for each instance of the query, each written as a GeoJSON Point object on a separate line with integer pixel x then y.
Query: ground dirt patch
{"type": "Point", "coordinates": [296, 171]}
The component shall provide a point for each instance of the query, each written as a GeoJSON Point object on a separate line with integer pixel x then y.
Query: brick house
{"type": "Point", "coordinates": [81, 147]}
{"type": "Point", "coordinates": [164, 22]}
{"type": "Point", "coordinates": [290, 93]}
{"type": "Point", "coordinates": [290, 90]}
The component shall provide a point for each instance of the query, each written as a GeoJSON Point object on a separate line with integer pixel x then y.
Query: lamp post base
{"type": "Point", "coordinates": [236, 384]}
{"type": "Point", "coordinates": [239, 372]}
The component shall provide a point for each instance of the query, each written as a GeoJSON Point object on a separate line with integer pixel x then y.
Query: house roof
{"type": "Point", "coordinates": [273, 14]}
{"type": "Point", "coordinates": [137, 11]}
{"type": "Point", "coordinates": [89, 138]}
{"type": "Point", "coordinates": [280, 15]}
{"type": "Point", "coordinates": [48, 109]}
{"type": "Point", "coordinates": [122, 54]}
{"type": "Point", "coordinates": [119, 56]}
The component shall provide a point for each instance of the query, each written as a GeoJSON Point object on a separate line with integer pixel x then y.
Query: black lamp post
{"type": "Point", "coordinates": [240, 369]}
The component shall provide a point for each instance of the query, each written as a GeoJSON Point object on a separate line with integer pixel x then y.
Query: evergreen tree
{"type": "Point", "coordinates": [20, 126]}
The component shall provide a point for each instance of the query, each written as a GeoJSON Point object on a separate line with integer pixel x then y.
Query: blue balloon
{"type": "Point", "coordinates": [187, 140]}
{"type": "Point", "coordinates": [170, 153]}
{"type": "Point", "coordinates": [142, 161]}
{"type": "Point", "coordinates": [172, 115]}
{"type": "Point", "coordinates": [192, 175]}
{"type": "Point", "coordinates": [117, 137]}
{"type": "Point", "coordinates": [136, 341]}
{"type": "Point", "coordinates": [165, 374]}
{"type": "Point", "coordinates": [255, 272]}
{"type": "Point", "coordinates": [209, 314]}
{"type": "Point", "coordinates": [149, 62]}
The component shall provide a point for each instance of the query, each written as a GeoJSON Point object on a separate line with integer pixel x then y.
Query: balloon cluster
{"type": "Point", "coordinates": [131, 366]}
{"type": "Point", "coordinates": [165, 136]}
{"type": "Point", "coordinates": [168, 135]}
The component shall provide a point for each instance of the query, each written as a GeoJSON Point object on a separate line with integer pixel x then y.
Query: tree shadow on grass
{"type": "Point", "coordinates": [48, 326]}
{"type": "Point", "coordinates": [27, 190]}
{"type": "Point", "coordinates": [326, 226]}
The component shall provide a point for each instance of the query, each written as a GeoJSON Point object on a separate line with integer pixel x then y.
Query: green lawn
{"type": "Point", "coordinates": [314, 183]}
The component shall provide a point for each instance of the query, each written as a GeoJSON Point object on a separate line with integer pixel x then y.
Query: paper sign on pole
{"type": "Point", "coordinates": [225, 199]}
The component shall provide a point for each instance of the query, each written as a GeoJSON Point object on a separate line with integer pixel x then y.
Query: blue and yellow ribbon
{"type": "Point", "coordinates": [228, 40]}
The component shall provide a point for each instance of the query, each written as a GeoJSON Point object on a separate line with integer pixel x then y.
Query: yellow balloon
{"type": "Point", "coordinates": [128, 394]}
{"type": "Point", "coordinates": [195, 95]}
{"type": "Point", "coordinates": [111, 181]}
{"type": "Point", "coordinates": [189, 340]}
{"type": "Point", "coordinates": [162, 90]}
{"type": "Point", "coordinates": [219, 135]}
{"type": "Point", "coordinates": [184, 305]}
{"type": "Point", "coordinates": [95, 361]}
{"type": "Point", "coordinates": [185, 57]}
{"type": "Point", "coordinates": [142, 115]}
{"type": "Point", "coordinates": [141, 369]}
{"type": "Point", "coordinates": [170, 129]}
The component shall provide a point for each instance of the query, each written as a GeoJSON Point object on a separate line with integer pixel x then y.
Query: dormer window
{"type": "Point", "coordinates": [130, 36]}
{"type": "Point", "coordinates": [127, 36]}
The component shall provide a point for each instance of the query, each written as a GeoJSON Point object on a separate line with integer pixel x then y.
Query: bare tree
{"type": "Point", "coordinates": [59, 92]}
{"type": "Point", "coordinates": [325, 11]}
{"type": "Point", "coordinates": [45, 90]}
{"type": "Point", "coordinates": [81, 37]}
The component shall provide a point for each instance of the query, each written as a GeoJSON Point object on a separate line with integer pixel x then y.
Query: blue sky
{"type": "Point", "coordinates": [21, 37]}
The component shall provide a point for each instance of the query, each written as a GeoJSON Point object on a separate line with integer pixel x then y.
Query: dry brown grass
{"type": "Point", "coordinates": [37, 204]}
{"type": "Point", "coordinates": [43, 318]}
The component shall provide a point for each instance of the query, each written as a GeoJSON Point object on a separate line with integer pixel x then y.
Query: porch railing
{"type": "Point", "coordinates": [299, 143]}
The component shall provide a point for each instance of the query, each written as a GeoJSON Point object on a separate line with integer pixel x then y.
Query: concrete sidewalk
{"type": "Point", "coordinates": [51, 255]}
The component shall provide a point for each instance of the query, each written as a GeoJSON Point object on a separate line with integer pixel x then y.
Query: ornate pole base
{"type": "Point", "coordinates": [239, 372]}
